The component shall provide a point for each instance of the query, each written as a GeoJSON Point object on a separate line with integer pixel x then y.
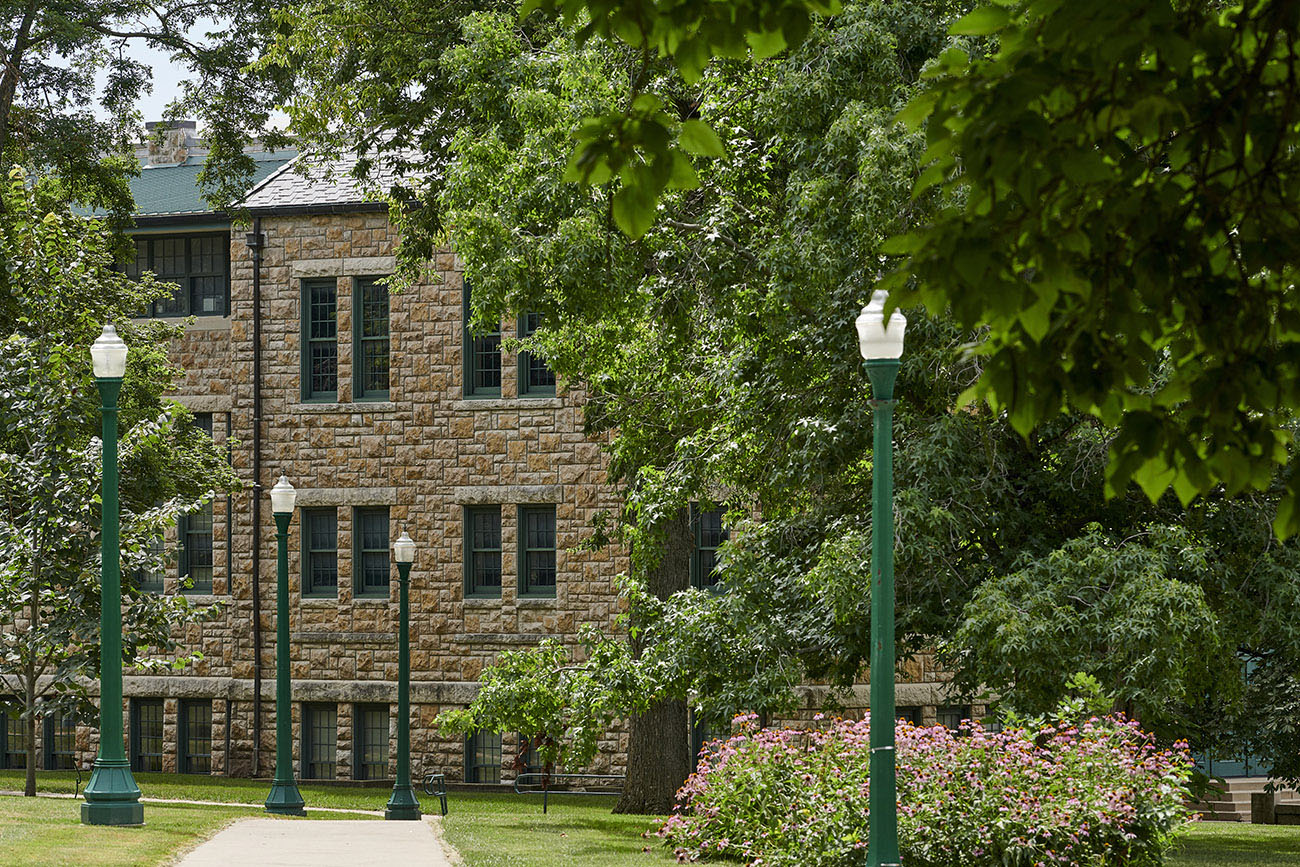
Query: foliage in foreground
{"type": "Point", "coordinates": [1053, 793]}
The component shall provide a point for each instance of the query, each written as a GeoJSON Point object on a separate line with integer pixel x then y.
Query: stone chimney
{"type": "Point", "coordinates": [173, 146]}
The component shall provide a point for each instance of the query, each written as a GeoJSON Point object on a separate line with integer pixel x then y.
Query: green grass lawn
{"type": "Point", "coordinates": [511, 831]}
{"type": "Point", "coordinates": [1234, 844]}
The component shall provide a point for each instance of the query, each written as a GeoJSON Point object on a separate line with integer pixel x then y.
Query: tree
{"type": "Point", "coordinates": [56, 52]}
{"type": "Point", "coordinates": [63, 287]}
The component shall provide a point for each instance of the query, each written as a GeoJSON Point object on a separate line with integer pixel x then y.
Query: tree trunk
{"type": "Point", "coordinates": [659, 748]}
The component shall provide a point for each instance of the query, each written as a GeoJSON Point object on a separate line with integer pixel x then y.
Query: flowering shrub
{"type": "Point", "coordinates": [1096, 794]}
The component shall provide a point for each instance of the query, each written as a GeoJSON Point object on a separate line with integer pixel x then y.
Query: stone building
{"type": "Point", "coordinates": [385, 413]}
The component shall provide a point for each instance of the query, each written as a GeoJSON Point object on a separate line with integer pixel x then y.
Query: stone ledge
{"type": "Point", "coordinates": [241, 689]}
{"type": "Point", "coordinates": [385, 496]}
{"type": "Point", "coordinates": [516, 403]}
{"type": "Point", "coordinates": [536, 601]}
{"type": "Point", "coordinates": [473, 495]}
{"type": "Point", "coordinates": [482, 601]}
{"type": "Point", "coordinates": [204, 402]}
{"type": "Point", "coordinates": [356, 407]}
{"type": "Point", "coordinates": [497, 638]}
{"type": "Point", "coordinates": [200, 323]}
{"type": "Point", "coordinates": [348, 266]}
{"type": "Point", "coordinates": [343, 637]}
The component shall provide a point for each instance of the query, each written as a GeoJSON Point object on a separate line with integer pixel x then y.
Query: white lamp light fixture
{"type": "Point", "coordinates": [876, 337]}
{"type": "Point", "coordinates": [404, 549]}
{"type": "Point", "coordinates": [283, 497]}
{"type": "Point", "coordinates": [108, 355]}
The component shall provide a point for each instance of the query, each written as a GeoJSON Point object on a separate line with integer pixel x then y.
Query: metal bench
{"type": "Point", "coordinates": [436, 785]}
{"type": "Point", "coordinates": [545, 780]}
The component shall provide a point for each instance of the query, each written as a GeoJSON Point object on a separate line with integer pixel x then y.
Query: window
{"type": "Point", "coordinates": [60, 742]}
{"type": "Point", "coordinates": [320, 563]}
{"type": "Point", "coordinates": [320, 347]}
{"type": "Point", "coordinates": [370, 340]}
{"type": "Point", "coordinates": [709, 535]}
{"type": "Point", "coordinates": [198, 264]}
{"type": "Point", "coordinates": [537, 543]}
{"type": "Point", "coordinates": [151, 580]}
{"type": "Point", "coordinates": [13, 737]}
{"type": "Point", "coordinates": [196, 550]}
{"type": "Point", "coordinates": [705, 736]}
{"type": "Point", "coordinates": [483, 758]}
{"type": "Point", "coordinates": [950, 716]}
{"type": "Point", "coordinates": [146, 734]}
{"type": "Point", "coordinates": [908, 713]}
{"type": "Point", "coordinates": [535, 378]}
{"type": "Point", "coordinates": [195, 753]}
{"type": "Point", "coordinates": [371, 740]}
{"type": "Point", "coordinates": [482, 358]}
{"type": "Point", "coordinates": [527, 758]}
{"type": "Point", "coordinates": [319, 741]}
{"type": "Point", "coordinates": [370, 567]}
{"type": "Point", "coordinates": [483, 551]}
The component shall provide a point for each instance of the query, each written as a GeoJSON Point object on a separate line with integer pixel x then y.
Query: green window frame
{"type": "Point", "coordinates": [320, 341]}
{"type": "Point", "coordinates": [370, 339]}
{"type": "Point", "coordinates": [537, 551]}
{"type": "Point", "coordinates": [194, 739]}
{"type": "Point", "coordinates": [482, 353]}
{"type": "Point", "coordinates": [483, 757]}
{"type": "Point", "coordinates": [13, 736]}
{"type": "Point", "coordinates": [535, 378]}
{"type": "Point", "coordinates": [199, 265]}
{"type": "Point", "coordinates": [710, 533]}
{"type": "Point", "coordinates": [146, 734]}
{"type": "Point", "coordinates": [320, 753]}
{"type": "Point", "coordinates": [60, 742]}
{"type": "Point", "coordinates": [320, 557]}
{"type": "Point", "coordinates": [950, 715]}
{"type": "Point", "coordinates": [195, 533]}
{"type": "Point", "coordinates": [370, 562]}
{"type": "Point", "coordinates": [483, 552]}
{"type": "Point", "coordinates": [370, 736]}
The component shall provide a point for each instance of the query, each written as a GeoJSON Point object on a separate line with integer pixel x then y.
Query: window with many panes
{"type": "Point", "coordinates": [60, 742]}
{"type": "Point", "coordinates": [537, 550]}
{"type": "Point", "coordinates": [535, 378]}
{"type": "Point", "coordinates": [908, 713]}
{"type": "Point", "coordinates": [319, 741]}
{"type": "Point", "coordinates": [371, 741]}
{"type": "Point", "coordinates": [320, 345]}
{"type": "Point", "coordinates": [483, 551]}
{"type": "Point", "coordinates": [13, 736]}
{"type": "Point", "coordinates": [709, 536]}
{"type": "Point", "coordinates": [199, 265]}
{"type": "Point", "coordinates": [320, 560]}
{"type": "Point", "coordinates": [370, 552]}
{"type": "Point", "coordinates": [195, 748]}
{"type": "Point", "coordinates": [950, 715]}
{"type": "Point", "coordinates": [195, 534]}
{"type": "Point", "coordinates": [529, 760]}
{"type": "Point", "coordinates": [483, 757]}
{"type": "Point", "coordinates": [482, 358]}
{"type": "Point", "coordinates": [146, 734]}
{"type": "Point", "coordinates": [370, 340]}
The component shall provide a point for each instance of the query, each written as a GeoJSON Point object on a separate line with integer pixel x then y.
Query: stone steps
{"type": "Point", "coordinates": [1233, 805]}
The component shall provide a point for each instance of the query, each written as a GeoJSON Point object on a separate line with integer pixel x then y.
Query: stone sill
{"type": "Point", "coordinates": [201, 598]}
{"type": "Point", "coordinates": [356, 407]}
{"type": "Point", "coordinates": [482, 601]}
{"type": "Point", "coordinates": [536, 601]}
{"type": "Point", "coordinates": [200, 323]}
{"type": "Point", "coordinates": [319, 601]}
{"type": "Point", "coordinates": [516, 403]}
{"type": "Point", "coordinates": [497, 638]}
{"type": "Point", "coordinates": [372, 601]}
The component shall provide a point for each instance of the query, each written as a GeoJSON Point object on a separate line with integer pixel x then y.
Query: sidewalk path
{"type": "Point", "coordinates": [321, 843]}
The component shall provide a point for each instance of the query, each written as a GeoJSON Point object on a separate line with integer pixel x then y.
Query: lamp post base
{"type": "Point", "coordinates": [402, 804]}
{"type": "Point", "coordinates": [285, 800]}
{"type": "Point", "coordinates": [112, 797]}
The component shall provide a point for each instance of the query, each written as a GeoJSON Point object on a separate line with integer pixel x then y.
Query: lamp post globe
{"type": "Point", "coordinates": [112, 796]}
{"type": "Point", "coordinates": [402, 804]}
{"type": "Point", "coordinates": [880, 341]}
{"type": "Point", "coordinates": [285, 799]}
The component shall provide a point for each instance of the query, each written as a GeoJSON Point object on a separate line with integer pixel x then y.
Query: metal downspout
{"type": "Point", "coordinates": [255, 241]}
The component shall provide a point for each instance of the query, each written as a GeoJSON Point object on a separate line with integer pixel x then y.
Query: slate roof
{"type": "Point", "coordinates": [173, 190]}
{"type": "Point", "coordinates": [309, 184]}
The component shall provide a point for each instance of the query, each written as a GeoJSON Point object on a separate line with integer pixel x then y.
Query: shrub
{"type": "Point", "coordinates": [1095, 794]}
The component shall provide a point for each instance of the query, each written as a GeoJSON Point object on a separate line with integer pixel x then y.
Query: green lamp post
{"type": "Point", "coordinates": [402, 804]}
{"type": "Point", "coordinates": [881, 344]}
{"type": "Point", "coordinates": [112, 797]}
{"type": "Point", "coordinates": [284, 799]}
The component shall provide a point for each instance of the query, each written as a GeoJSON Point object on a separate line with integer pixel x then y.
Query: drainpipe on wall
{"type": "Point", "coordinates": [255, 241]}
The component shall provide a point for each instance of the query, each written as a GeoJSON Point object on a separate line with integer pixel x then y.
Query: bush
{"type": "Point", "coordinates": [1052, 794]}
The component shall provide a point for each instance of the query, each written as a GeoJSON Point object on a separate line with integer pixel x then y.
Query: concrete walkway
{"type": "Point", "coordinates": [323, 843]}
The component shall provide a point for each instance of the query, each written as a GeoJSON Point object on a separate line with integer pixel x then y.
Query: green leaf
{"type": "Point", "coordinates": [632, 214]}
{"type": "Point", "coordinates": [698, 138]}
{"type": "Point", "coordinates": [766, 44]}
{"type": "Point", "coordinates": [981, 22]}
{"type": "Point", "coordinates": [683, 176]}
{"type": "Point", "coordinates": [917, 109]}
